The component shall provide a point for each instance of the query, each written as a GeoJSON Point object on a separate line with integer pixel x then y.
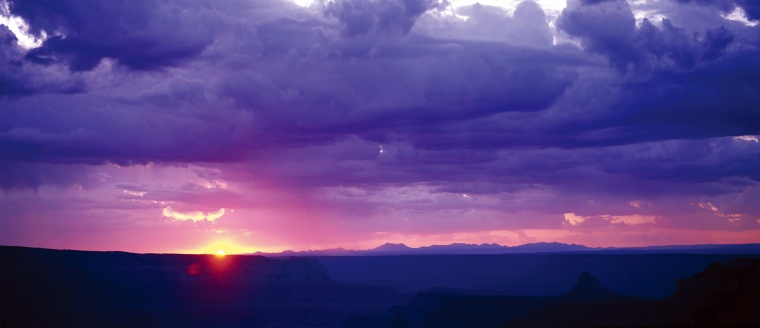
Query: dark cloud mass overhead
{"type": "Point", "coordinates": [145, 35]}
{"type": "Point", "coordinates": [273, 125]}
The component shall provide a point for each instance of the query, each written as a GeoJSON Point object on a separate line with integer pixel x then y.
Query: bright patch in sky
{"type": "Point", "coordinates": [19, 27]}
{"type": "Point", "coordinates": [630, 219]}
{"type": "Point", "coordinates": [134, 193]}
{"type": "Point", "coordinates": [194, 215]}
{"type": "Point", "coordinates": [574, 219]}
{"type": "Point", "coordinates": [552, 8]}
{"type": "Point", "coordinates": [226, 247]}
{"type": "Point", "coordinates": [653, 16]}
{"type": "Point", "coordinates": [739, 15]}
{"type": "Point", "coordinates": [747, 138]}
{"type": "Point", "coordinates": [634, 219]}
{"type": "Point", "coordinates": [303, 3]}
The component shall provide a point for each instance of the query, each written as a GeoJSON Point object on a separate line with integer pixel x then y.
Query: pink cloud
{"type": "Point", "coordinates": [193, 215]}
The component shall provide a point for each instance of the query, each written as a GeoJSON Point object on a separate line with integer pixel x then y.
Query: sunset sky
{"type": "Point", "coordinates": [247, 125]}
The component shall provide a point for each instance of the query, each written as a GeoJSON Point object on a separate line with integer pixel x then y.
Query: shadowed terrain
{"type": "Point", "coordinates": [60, 288]}
{"type": "Point", "coordinates": [721, 295]}
{"type": "Point", "coordinates": [651, 275]}
{"type": "Point", "coordinates": [41, 287]}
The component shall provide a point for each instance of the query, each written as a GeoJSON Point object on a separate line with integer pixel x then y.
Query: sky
{"type": "Point", "coordinates": [192, 126]}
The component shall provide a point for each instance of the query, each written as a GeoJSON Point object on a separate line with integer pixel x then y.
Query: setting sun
{"type": "Point", "coordinates": [225, 247]}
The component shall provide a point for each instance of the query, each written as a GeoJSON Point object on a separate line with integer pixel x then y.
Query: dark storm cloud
{"type": "Point", "coordinates": [142, 35]}
{"type": "Point", "coordinates": [609, 28]}
{"type": "Point", "coordinates": [303, 84]}
{"type": "Point", "coordinates": [394, 17]}
{"type": "Point", "coordinates": [19, 176]}
{"type": "Point", "coordinates": [526, 26]}
{"type": "Point", "coordinates": [751, 7]}
{"type": "Point", "coordinates": [375, 118]}
{"type": "Point", "coordinates": [95, 130]}
{"type": "Point", "coordinates": [676, 86]}
{"type": "Point", "coordinates": [679, 168]}
{"type": "Point", "coordinates": [17, 79]}
{"type": "Point", "coordinates": [308, 99]}
{"type": "Point", "coordinates": [604, 27]}
{"type": "Point", "coordinates": [440, 94]}
{"type": "Point", "coordinates": [468, 83]}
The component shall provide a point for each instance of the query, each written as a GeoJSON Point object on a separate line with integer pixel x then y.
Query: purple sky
{"type": "Point", "coordinates": [191, 126]}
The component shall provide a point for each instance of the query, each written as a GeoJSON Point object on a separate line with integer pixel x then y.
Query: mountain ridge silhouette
{"type": "Point", "coordinates": [538, 247]}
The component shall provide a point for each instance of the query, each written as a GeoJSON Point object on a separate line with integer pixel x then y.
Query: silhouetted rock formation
{"type": "Point", "coordinates": [588, 289]}
{"type": "Point", "coordinates": [641, 275]}
{"type": "Point", "coordinates": [717, 296]}
{"type": "Point", "coordinates": [458, 309]}
{"type": "Point", "coordinates": [720, 295]}
{"type": "Point", "coordinates": [587, 304]}
{"type": "Point", "coordinates": [744, 306]}
{"type": "Point", "coordinates": [713, 286]}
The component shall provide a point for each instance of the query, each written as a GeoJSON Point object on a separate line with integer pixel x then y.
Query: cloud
{"type": "Point", "coordinates": [574, 219]}
{"type": "Point", "coordinates": [634, 219]}
{"type": "Point", "coordinates": [631, 219]}
{"type": "Point", "coordinates": [749, 7]}
{"type": "Point", "coordinates": [380, 116]}
{"type": "Point", "coordinates": [730, 217]}
{"type": "Point", "coordinates": [527, 26]}
{"type": "Point", "coordinates": [604, 27]}
{"type": "Point", "coordinates": [384, 17]}
{"type": "Point", "coordinates": [135, 193]}
{"type": "Point", "coordinates": [609, 28]}
{"type": "Point", "coordinates": [747, 138]}
{"type": "Point", "coordinates": [140, 36]}
{"type": "Point", "coordinates": [708, 206]}
{"type": "Point", "coordinates": [30, 176]}
{"type": "Point", "coordinates": [194, 216]}
{"type": "Point", "coordinates": [422, 84]}
{"type": "Point", "coordinates": [18, 79]}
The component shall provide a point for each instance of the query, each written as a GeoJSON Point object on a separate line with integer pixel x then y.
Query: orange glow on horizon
{"type": "Point", "coordinates": [221, 248]}
{"type": "Point", "coordinates": [624, 236]}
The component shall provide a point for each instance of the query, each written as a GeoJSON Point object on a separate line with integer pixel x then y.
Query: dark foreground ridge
{"type": "Point", "coordinates": [588, 289]}
{"type": "Point", "coordinates": [721, 295]}
{"type": "Point", "coordinates": [44, 288]}
{"type": "Point", "coordinates": [652, 276]}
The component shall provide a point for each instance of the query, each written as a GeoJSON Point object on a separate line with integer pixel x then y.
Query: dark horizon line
{"type": "Point", "coordinates": [379, 251]}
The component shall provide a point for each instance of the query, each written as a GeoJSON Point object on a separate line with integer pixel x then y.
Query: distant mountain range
{"type": "Point", "coordinates": [461, 248]}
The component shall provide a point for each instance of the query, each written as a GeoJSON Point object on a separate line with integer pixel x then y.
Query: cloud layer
{"type": "Point", "coordinates": [352, 123]}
